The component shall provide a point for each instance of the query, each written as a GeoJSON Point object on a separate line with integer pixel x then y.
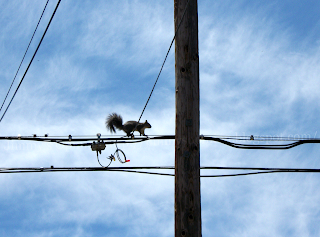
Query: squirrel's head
{"type": "Point", "coordinates": [148, 125]}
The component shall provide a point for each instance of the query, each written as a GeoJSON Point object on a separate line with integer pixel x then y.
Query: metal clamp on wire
{"type": "Point", "coordinates": [99, 145]}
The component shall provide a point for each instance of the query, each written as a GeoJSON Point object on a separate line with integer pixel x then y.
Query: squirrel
{"type": "Point", "coordinates": [115, 121]}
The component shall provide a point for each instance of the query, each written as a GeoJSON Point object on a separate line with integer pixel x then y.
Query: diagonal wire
{"type": "Point", "coordinates": [31, 59]}
{"type": "Point", "coordinates": [24, 55]}
{"type": "Point", "coordinates": [165, 59]}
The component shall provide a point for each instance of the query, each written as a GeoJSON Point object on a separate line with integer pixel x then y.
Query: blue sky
{"type": "Point", "coordinates": [259, 74]}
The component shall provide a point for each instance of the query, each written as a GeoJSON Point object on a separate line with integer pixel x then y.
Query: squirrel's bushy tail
{"type": "Point", "coordinates": [114, 120]}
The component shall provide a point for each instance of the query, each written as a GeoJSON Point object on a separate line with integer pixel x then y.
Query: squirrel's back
{"type": "Point", "coordinates": [115, 121]}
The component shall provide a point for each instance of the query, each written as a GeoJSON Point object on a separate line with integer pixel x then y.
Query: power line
{"type": "Point", "coordinates": [165, 59]}
{"type": "Point", "coordinates": [24, 55]}
{"type": "Point", "coordinates": [139, 170]}
{"type": "Point", "coordinates": [88, 141]}
{"type": "Point", "coordinates": [264, 146]}
{"type": "Point", "coordinates": [31, 59]}
{"type": "Point", "coordinates": [260, 138]}
{"type": "Point", "coordinates": [238, 174]}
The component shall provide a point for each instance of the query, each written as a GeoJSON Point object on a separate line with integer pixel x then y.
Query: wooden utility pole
{"type": "Point", "coordinates": [187, 149]}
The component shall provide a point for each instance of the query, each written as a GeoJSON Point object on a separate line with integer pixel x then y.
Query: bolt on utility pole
{"type": "Point", "coordinates": [187, 149]}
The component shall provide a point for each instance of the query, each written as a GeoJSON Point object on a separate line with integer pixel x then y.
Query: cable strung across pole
{"type": "Point", "coordinates": [87, 140]}
{"type": "Point", "coordinates": [142, 170]}
{"type": "Point", "coordinates": [165, 59]}
{"type": "Point", "coordinates": [31, 59]}
{"type": "Point", "coordinates": [24, 56]}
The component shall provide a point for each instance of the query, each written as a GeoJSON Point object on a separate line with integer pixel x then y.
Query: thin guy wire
{"type": "Point", "coordinates": [165, 59]}
{"type": "Point", "coordinates": [31, 60]}
{"type": "Point", "coordinates": [24, 55]}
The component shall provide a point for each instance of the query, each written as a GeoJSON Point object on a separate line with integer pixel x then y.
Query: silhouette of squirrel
{"type": "Point", "coordinates": [115, 121]}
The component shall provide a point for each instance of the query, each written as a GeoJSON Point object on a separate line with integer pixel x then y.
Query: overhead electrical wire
{"type": "Point", "coordinates": [165, 59]}
{"type": "Point", "coordinates": [261, 138]}
{"type": "Point", "coordinates": [31, 60]}
{"type": "Point", "coordinates": [24, 55]}
{"type": "Point", "coordinates": [140, 170]}
{"type": "Point", "coordinates": [264, 146]}
{"type": "Point", "coordinates": [88, 141]}
{"type": "Point", "coordinates": [100, 141]}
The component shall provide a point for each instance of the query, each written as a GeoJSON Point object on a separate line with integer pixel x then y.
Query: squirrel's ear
{"type": "Point", "coordinates": [146, 121]}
